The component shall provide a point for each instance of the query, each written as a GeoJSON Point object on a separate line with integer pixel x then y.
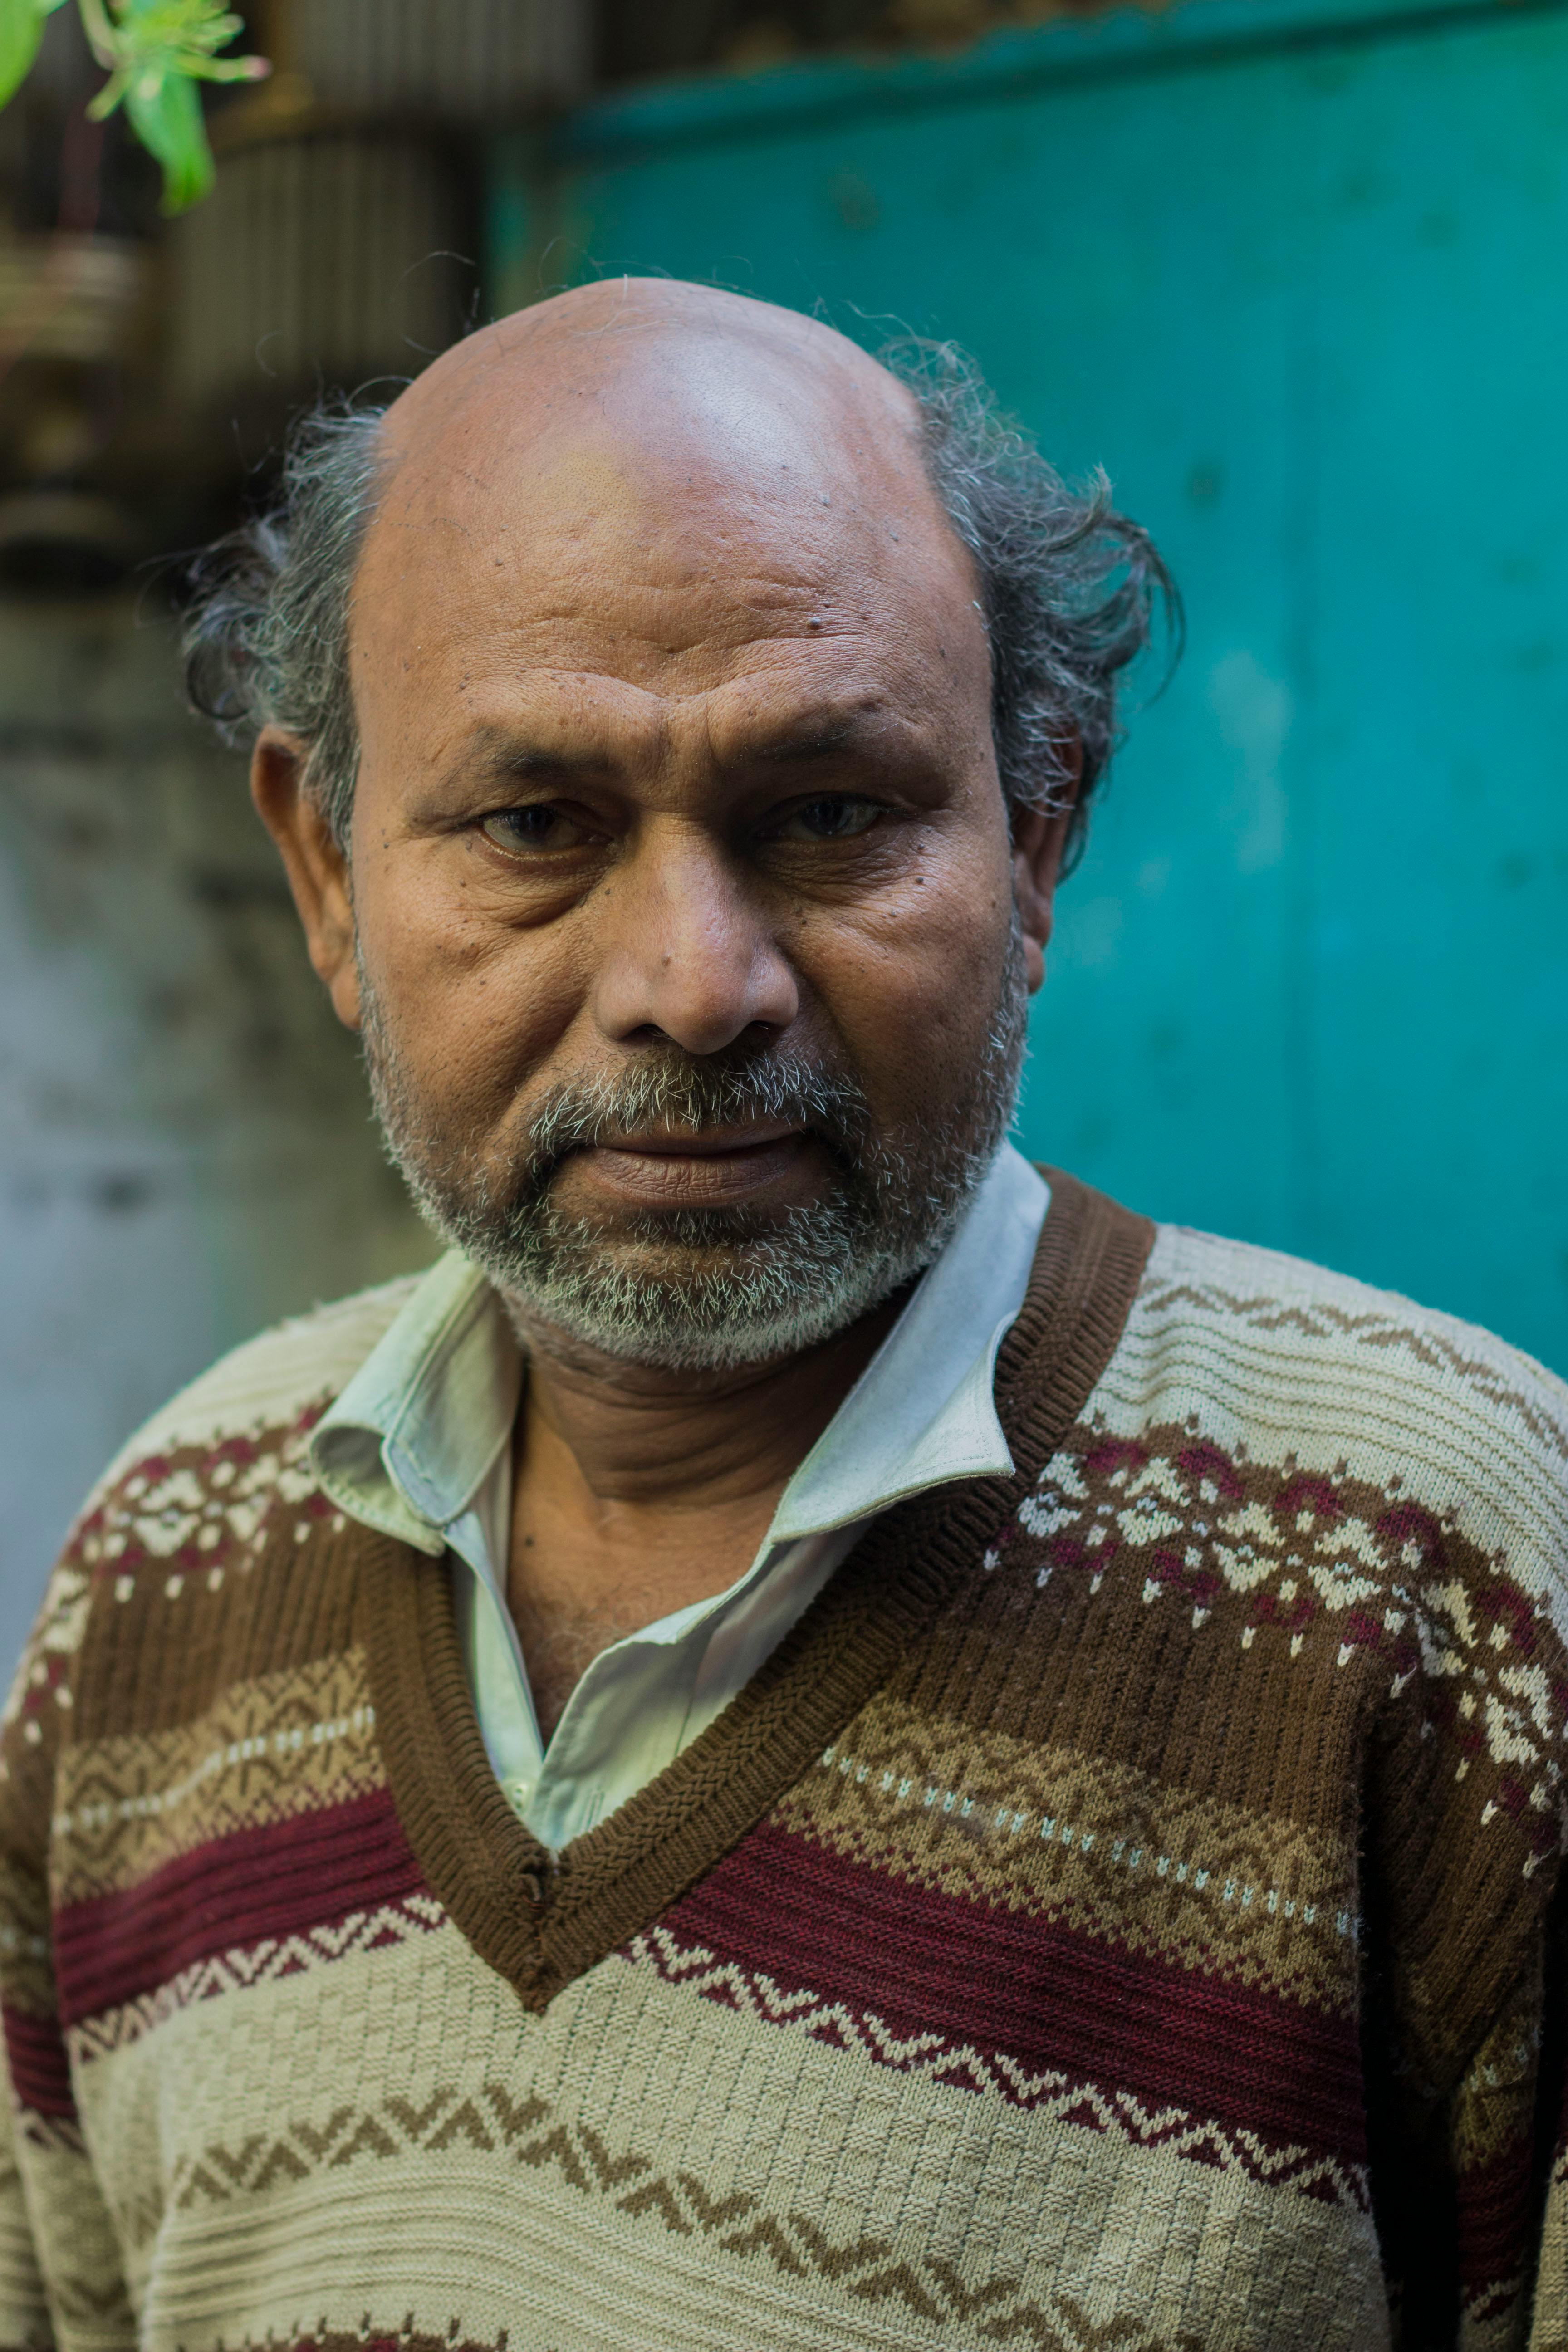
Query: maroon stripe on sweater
{"type": "Point", "coordinates": [235, 1891]}
{"type": "Point", "coordinates": [1048, 1999]}
{"type": "Point", "coordinates": [1494, 2217]}
{"type": "Point", "coordinates": [40, 2070]}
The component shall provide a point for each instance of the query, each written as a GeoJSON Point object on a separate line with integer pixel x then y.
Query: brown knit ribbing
{"type": "Point", "coordinates": [542, 1925]}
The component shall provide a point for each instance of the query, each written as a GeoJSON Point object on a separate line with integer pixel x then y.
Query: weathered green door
{"type": "Point", "coordinates": [1301, 283]}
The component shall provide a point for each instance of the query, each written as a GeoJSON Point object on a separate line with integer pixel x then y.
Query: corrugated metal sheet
{"type": "Point", "coordinates": [323, 257]}
{"type": "Point", "coordinates": [462, 59]}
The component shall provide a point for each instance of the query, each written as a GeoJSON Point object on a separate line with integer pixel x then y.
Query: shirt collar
{"type": "Point", "coordinates": [417, 1431]}
{"type": "Point", "coordinates": [924, 1411]}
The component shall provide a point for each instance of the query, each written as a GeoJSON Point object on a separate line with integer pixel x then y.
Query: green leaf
{"type": "Point", "coordinates": [21, 30]}
{"type": "Point", "coordinates": [179, 34]}
{"type": "Point", "coordinates": [155, 51]}
{"type": "Point", "coordinates": [166, 116]}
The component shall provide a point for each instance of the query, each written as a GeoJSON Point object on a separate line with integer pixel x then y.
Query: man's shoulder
{"type": "Point", "coordinates": [1290, 1306]}
{"type": "Point", "coordinates": [266, 1396]}
{"type": "Point", "coordinates": [1300, 1364]}
{"type": "Point", "coordinates": [209, 1481]}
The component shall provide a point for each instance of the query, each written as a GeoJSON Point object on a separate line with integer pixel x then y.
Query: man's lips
{"type": "Point", "coordinates": [707, 1142]}
{"type": "Point", "coordinates": [711, 1167]}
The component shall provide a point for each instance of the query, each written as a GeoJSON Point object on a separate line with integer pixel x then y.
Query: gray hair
{"type": "Point", "coordinates": [1068, 588]}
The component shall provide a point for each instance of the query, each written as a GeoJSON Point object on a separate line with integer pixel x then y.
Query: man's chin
{"type": "Point", "coordinates": [663, 1280]}
{"type": "Point", "coordinates": [682, 1246]}
{"type": "Point", "coordinates": [691, 1307]}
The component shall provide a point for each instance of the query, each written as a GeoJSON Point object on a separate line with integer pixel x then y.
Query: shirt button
{"type": "Point", "coordinates": [534, 1887]}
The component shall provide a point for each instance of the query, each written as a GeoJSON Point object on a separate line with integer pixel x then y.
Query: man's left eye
{"type": "Point", "coordinates": [538, 824]}
{"type": "Point", "coordinates": [835, 816]}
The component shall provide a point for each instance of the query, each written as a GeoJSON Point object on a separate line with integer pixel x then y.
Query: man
{"type": "Point", "coordinates": [816, 1739]}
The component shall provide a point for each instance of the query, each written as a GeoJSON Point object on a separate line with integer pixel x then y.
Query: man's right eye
{"type": "Point", "coordinates": [541, 824]}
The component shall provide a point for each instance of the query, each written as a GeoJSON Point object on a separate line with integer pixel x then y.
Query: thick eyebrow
{"type": "Point", "coordinates": [505, 756]}
{"type": "Point", "coordinates": [818, 743]}
{"type": "Point", "coordinates": [508, 758]}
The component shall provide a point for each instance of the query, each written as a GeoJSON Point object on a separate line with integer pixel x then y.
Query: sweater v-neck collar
{"type": "Point", "coordinates": [543, 1922]}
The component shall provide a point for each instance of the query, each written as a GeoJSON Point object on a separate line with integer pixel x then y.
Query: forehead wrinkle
{"type": "Point", "coordinates": [674, 639]}
{"type": "Point", "coordinates": [649, 543]}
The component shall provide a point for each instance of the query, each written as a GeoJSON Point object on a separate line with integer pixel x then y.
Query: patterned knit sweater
{"type": "Point", "coordinates": [1119, 1915]}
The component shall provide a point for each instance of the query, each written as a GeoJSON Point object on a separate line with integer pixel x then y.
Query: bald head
{"type": "Point", "coordinates": [693, 341]}
{"type": "Point", "coordinates": [649, 451]}
{"type": "Point", "coordinates": [677, 373]}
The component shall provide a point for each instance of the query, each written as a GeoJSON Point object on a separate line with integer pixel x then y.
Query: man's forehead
{"type": "Point", "coordinates": [649, 487]}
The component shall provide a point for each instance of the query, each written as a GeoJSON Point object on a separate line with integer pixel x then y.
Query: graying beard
{"type": "Point", "coordinates": [789, 1289]}
{"type": "Point", "coordinates": [790, 1283]}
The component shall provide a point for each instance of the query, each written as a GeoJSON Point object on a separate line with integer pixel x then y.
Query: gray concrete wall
{"type": "Point", "coordinates": [186, 1145]}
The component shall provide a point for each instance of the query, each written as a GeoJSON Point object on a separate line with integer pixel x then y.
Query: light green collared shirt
{"type": "Point", "coordinates": [418, 1445]}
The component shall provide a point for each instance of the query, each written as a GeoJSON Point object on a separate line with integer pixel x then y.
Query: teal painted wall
{"type": "Point", "coordinates": [1301, 288]}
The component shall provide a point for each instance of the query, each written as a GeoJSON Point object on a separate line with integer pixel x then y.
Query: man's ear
{"type": "Point", "coordinates": [317, 870]}
{"type": "Point", "coordinates": [1039, 836]}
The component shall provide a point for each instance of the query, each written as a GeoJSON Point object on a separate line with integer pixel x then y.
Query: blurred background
{"type": "Point", "coordinates": [1292, 271]}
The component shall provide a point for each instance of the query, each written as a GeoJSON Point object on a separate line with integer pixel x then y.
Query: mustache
{"type": "Point", "coordinates": [676, 1093]}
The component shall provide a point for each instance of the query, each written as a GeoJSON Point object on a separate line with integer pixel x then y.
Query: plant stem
{"type": "Point", "coordinates": [98, 30]}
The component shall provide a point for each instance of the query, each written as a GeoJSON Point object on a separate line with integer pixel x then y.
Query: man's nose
{"type": "Point", "coordinates": [683, 948]}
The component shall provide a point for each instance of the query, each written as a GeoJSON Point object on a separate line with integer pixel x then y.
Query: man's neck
{"type": "Point", "coordinates": [638, 1490]}
{"type": "Point", "coordinates": [646, 1438]}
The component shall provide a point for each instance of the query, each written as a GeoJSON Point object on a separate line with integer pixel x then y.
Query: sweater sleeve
{"type": "Point", "coordinates": [61, 2275]}
{"type": "Point", "coordinates": [1463, 1977]}
{"type": "Point", "coordinates": [1549, 2331]}
{"type": "Point", "coordinates": [23, 2307]}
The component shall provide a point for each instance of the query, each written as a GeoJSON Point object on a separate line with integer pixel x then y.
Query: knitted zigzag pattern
{"type": "Point", "coordinates": [1118, 1916]}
